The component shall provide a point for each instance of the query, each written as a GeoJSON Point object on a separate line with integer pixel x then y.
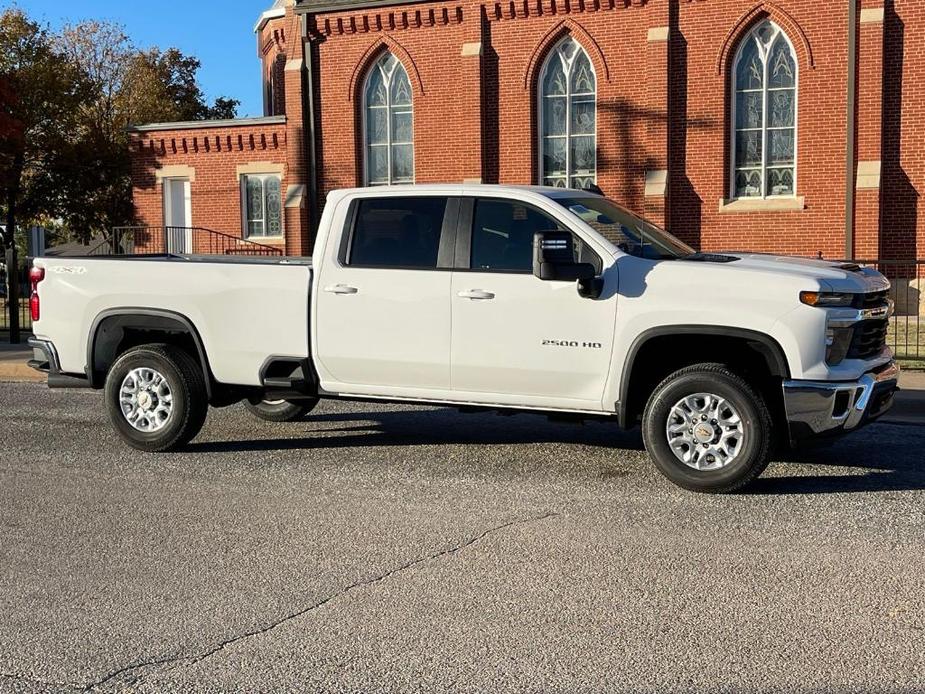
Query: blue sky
{"type": "Point", "coordinates": [220, 34]}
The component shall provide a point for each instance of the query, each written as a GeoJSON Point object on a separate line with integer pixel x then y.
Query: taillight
{"type": "Point", "coordinates": [36, 275]}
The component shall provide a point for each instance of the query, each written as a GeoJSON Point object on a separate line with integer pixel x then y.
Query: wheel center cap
{"type": "Point", "coordinates": [145, 401]}
{"type": "Point", "coordinates": [704, 433]}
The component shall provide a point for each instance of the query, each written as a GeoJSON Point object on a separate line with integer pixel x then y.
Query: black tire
{"type": "Point", "coordinates": [186, 381]}
{"type": "Point", "coordinates": [281, 410]}
{"type": "Point", "coordinates": [717, 379]}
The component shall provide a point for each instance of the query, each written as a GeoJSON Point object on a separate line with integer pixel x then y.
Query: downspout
{"type": "Point", "coordinates": [851, 123]}
{"type": "Point", "coordinates": [308, 106]}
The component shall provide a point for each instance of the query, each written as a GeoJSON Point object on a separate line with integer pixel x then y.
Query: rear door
{"type": "Point", "coordinates": [518, 339]}
{"type": "Point", "coordinates": [383, 302]}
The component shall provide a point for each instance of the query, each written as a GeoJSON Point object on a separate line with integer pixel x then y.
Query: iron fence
{"type": "Point", "coordinates": [21, 308]}
{"type": "Point", "coordinates": [906, 333]}
{"type": "Point", "coordinates": [147, 240]}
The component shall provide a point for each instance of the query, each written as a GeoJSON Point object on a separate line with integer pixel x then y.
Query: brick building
{"type": "Point", "coordinates": [787, 125]}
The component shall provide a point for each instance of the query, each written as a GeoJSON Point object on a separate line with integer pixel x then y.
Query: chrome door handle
{"type": "Point", "coordinates": [476, 295]}
{"type": "Point", "coordinates": [341, 289]}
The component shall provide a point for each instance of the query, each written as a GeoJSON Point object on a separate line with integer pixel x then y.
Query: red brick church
{"type": "Point", "coordinates": [788, 125]}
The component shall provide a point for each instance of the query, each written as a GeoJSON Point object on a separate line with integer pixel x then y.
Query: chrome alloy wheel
{"type": "Point", "coordinates": [705, 431]}
{"type": "Point", "coordinates": [146, 400]}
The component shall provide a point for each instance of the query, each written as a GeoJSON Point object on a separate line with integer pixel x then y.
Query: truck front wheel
{"type": "Point", "coordinates": [707, 429]}
{"type": "Point", "coordinates": [156, 397]}
{"type": "Point", "coordinates": [281, 410]}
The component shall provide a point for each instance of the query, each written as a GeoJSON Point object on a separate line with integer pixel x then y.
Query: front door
{"type": "Point", "coordinates": [383, 303]}
{"type": "Point", "coordinates": [178, 215]}
{"type": "Point", "coordinates": [517, 338]}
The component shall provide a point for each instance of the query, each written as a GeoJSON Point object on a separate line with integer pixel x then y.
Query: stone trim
{"type": "Point", "coordinates": [175, 171]}
{"type": "Point", "coordinates": [472, 181]}
{"type": "Point", "coordinates": [872, 15]}
{"type": "Point", "coordinates": [796, 204]}
{"type": "Point", "coordinates": [472, 49]}
{"type": "Point", "coordinates": [658, 34]}
{"type": "Point", "coordinates": [656, 183]}
{"type": "Point", "coordinates": [295, 196]}
{"type": "Point", "coordinates": [266, 17]}
{"type": "Point", "coordinates": [294, 65]}
{"type": "Point", "coordinates": [205, 124]}
{"type": "Point", "coordinates": [868, 175]}
{"type": "Point", "coordinates": [260, 167]}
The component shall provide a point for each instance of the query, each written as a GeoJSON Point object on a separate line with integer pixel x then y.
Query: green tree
{"type": "Point", "coordinates": [43, 91]}
{"type": "Point", "coordinates": [128, 86]}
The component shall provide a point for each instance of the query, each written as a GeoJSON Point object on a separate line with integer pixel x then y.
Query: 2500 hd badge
{"type": "Point", "coordinates": [572, 343]}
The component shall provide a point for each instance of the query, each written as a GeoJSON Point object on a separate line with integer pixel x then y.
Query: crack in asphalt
{"type": "Point", "coordinates": [35, 680]}
{"type": "Point", "coordinates": [186, 661]}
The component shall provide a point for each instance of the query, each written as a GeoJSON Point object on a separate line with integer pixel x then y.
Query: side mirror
{"type": "Point", "coordinates": [554, 258]}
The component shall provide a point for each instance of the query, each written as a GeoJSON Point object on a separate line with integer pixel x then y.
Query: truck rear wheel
{"type": "Point", "coordinates": [707, 429]}
{"type": "Point", "coordinates": [281, 410]}
{"type": "Point", "coordinates": [156, 397]}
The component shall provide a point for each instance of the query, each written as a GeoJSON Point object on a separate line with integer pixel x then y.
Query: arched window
{"type": "Point", "coordinates": [764, 115]}
{"type": "Point", "coordinates": [568, 117]}
{"type": "Point", "coordinates": [388, 130]}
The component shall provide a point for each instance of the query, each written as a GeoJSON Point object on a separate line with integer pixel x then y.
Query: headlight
{"type": "Point", "coordinates": [827, 299]}
{"type": "Point", "coordinates": [837, 344]}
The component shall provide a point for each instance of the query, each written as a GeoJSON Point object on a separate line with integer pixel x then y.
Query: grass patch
{"type": "Point", "coordinates": [906, 337]}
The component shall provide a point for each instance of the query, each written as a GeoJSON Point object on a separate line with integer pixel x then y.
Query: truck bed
{"type": "Point", "coordinates": [243, 308]}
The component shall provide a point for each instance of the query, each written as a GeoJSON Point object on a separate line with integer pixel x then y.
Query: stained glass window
{"type": "Point", "coordinates": [389, 129]}
{"type": "Point", "coordinates": [568, 117]}
{"type": "Point", "coordinates": [263, 206]}
{"type": "Point", "coordinates": [764, 113]}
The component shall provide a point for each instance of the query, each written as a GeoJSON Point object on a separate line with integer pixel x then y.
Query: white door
{"type": "Point", "coordinates": [383, 307]}
{"type": "Point", "coordinates": [516, 338]}
{"type": "Point", "coordinates": [178, 215]}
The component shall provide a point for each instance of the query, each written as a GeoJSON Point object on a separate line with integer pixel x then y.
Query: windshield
{"type": "Point", "coordinates": [628, 232]}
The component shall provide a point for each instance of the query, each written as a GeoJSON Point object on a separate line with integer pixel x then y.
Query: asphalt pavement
{"type": "Point", "coordinates": [388, 548]}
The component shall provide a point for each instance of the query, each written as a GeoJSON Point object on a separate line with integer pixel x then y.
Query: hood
{"type": "Point", "coordinates": [839, 276]}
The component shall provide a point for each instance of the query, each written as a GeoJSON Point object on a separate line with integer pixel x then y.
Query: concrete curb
{"type": "Point", "coordinates": [13, 367]}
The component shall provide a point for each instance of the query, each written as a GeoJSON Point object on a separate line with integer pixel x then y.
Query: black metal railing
{"type": "Point", "coordinates": [7, 308]}
{"type": "Point", "coordinates": [906, 330]}
{"type": "Point", "coordinates": [147, 240]}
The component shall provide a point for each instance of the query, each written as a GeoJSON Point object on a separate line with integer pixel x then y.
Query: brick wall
{"type": "Point", "coordinates": [903, 169]}
{"type": "Point", "coordinates": [214, 154]}
{"type": "Point", "coordinates": [663, 84]}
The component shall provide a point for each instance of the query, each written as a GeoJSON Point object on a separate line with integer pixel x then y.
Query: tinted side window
{"type": "Point", "coordinates": [502, 235]}
{"type": "Point", "coordinates": [397, 232]}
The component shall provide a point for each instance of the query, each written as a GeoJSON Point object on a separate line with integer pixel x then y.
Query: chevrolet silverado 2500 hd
{"type": "Point", "coordinates": [536, 299]}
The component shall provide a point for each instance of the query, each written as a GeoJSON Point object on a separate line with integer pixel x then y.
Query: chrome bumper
{"type": "Point", "coordinates": [822, 408]}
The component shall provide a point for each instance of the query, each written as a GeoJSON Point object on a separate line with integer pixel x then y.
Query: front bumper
{"type": "Point", "coordinates": [821, 408]}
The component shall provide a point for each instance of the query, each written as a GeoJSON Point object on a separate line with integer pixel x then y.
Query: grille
{"type": "Point", "coordinates": [868, 339]}
{"type": "Point", "coordinates": [872, 300]}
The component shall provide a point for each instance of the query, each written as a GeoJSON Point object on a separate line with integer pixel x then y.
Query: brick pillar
{"type": "Point", "coordinates": [870, 114]}
{"type": "Point", "coordinates": [298, 236]}
{"type": "Point", "coordinates": [656, 174]}
{"type": "Point", "coordinates": [470, 134]}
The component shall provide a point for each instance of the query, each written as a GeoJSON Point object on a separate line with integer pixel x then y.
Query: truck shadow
{"type": "Point", "coordinates": [881, 458]}
{"type": "Point", "coordinates": [432, 427]}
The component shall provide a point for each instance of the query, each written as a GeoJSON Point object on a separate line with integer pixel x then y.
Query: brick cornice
{"type": "Point", "coordinates": [523, 9]}
{"type": "Point", "coordinates": [384, 21]}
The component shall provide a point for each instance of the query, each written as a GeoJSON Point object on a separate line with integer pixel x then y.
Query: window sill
{"type": "Point", "coordinates": [270, 240]}
{"type": "Point", "coordinates": [796, 204]}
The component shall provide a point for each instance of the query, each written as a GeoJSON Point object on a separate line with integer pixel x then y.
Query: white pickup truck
{"type": "Point", "coordinates": [535, 299]}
